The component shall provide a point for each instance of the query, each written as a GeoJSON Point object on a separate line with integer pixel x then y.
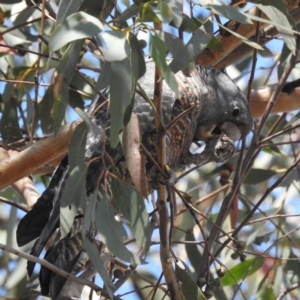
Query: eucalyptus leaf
{"type": "Point", "coordinates": [282, 18]}
{"type": "Point", "coordinates": [225, 10]}
{"type": "Point", "coordinates": [176, 7]}
{"type": "Point", "coordinates": [88, 235]}
{"type": "Point", "coordinates": [73, 191]}
{"type": "Point", "coordinates": [104, 78]}
{"type": "Point", "coordinates": [92, 126]}
{"type": "Point", "coordinates": [131, 203]}
{"type": "Point", "coordinates": [9, 123]}
{"type": "Point", "coordinates": [112, 232]}
{"type": "Point", "coordinates": [158, 53]}
{"type": "Point", "coordinates": [65, 73]}
{"type": "Point", "coordinates": [241, 270]}
{"type": "Point", "coordinates": [76, 153]}
{"type": "Point", "coordinates": [192, 49]}
{"type": "Point", "coordinates": [66, 8]}
{"type": "Point", "coordinates": [79, 25]}
{"type": "Point", "coordinates": [121, 93]}
{"type": "Point", "coordinates": [114, 45]}
{"type": "Point", "coordinates": [190, 289]}
{"type": "Point", "coordinates": [256, 176]}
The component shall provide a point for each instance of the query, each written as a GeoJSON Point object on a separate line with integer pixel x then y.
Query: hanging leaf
{"type": "Point", "coordinates": [76, 153]}
{"type": "Point", "coordinates": [191, 50]}
{"type": "Point", "coordinates": [114, 45]}
{"type": "Point", "coordinates": [256, 176]}
{"type": "Point", "coordinates": [190, 289]}
{"type": "Point", "coordinates": [134, 158]}
{"type": "Point", "coordinates": [78, 26]}
{"type": "Point", "coordinates": [92, 126]}
{"type": "Point", "coordinates": [73, 192]}
{"type": "Point", "coordinates": [112, 232]}
{"type": "Point", "coordinates": [104, 78]}
{"type": "Point", "coordinates": [66, 8]}
{"type": "Point", "coordinates": [131, 204]}
{"type": "Point", "coordinates": [121, 92]}
{"type": "Point", "coordinates": [242, 270]}
{"type": "Point", "coordinates": [158, 53]}
{"type": "Point", "coordinates": [88, 234]}
{"type": "Point", "coordinates": [281, 20]}
{"type": "Point", "coordinates": [9, 123]}
{"type": "Point", "coordinates": [242, 38]}
{"type": "Point", "coordinates": [225, 10]}
{"type": "Point", "coordinates": [65, 73]}
{"type": "Point", "coordinates": [176, 7]}
{"type": "Point", "coordinates": [192, 251]}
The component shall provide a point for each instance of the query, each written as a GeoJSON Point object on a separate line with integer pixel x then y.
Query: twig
{"type": "Point", "coordinates": [13, 203]}
{"type": "Point", "coordinates": [254, 59]}
{"type": "Point", "coordinates": [288, 290]}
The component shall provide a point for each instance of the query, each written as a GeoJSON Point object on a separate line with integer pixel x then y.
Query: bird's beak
{"type": "Point", "coordinates": [231, 131]}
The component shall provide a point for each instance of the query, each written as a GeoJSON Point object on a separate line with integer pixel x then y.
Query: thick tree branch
{"type": "Point", "coordinates": [244, 50]}
{"type": "Point", "coordinates": [27, 161]}
{"type": "Point", "coordinates": [230, 42]}
{"type": "Point", "coordinates": [50, 149]}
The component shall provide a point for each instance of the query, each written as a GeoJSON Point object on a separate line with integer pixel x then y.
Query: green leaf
{"type": "Point", "coordinates": [128, 13]}
{"type": "Point", "coordinates": [65, 73]}
{"type": "Point", "coordinates": [71, 197]}
{"type": "Point", "coordinates": [112, 232]}
{"type": "Point", "coordinates": [158, 53]}
{"type": "Point", "coordinates": [281, 20]}
{"type": "Point", "coordinates": [190, 289]}
{"type": "Point", "coordinates": [137, 58]}
{"type": "Point", "coordinates": [92, 7]}
{"type": "Point", "coordinates": [259, 175]}
{"type": "Point", "coordinates": [92, 126]}
{"type": "Point", "coordinates": [131, 204]}
{"type": "Point", "coordinates": [268, 293]}
{"type": "Point", "coordinates": [114, 45]}
{"type": "Point", "coordinates": [242, 270]}
{"type": "Point", "coordinates": [173, 43]}
{"type": "Point", "coordinates": [45, 106]}
{"type": "Point", "coordinates": [242, 38]}
{"type": "Point", "coordinates": [192, 49]}
{"type": "Point", "coordinates": [104, 78]}
{"type": "Point", "coordinates": [215, 45]}
{"type": "Point", "coordinates": [176, 7]}
{"type": "Point", "coordinates": [88, 235]}
{"type": "Point", "coordinates": [192, 251]}
{"type": "Point", "coordinates": [292, 176]}
{"type": "Point", "coordinates": [222, 9]}
{"type": "Point", "coordinates": [147, 13]}
{"type": "Point", "coordinates": [121, 93]}
{"type": "Point", "coordinates": [75, 99]}
{"type": "Point", "coordinates": [76, 153]}
{"type": "Point", "coordinates": [162, 11]}
{"type": "Point", "coordinates": [77, 26]}
{"type": "Point", "coordinates": [66, 8]}
{"type": "Point", "coordinates": [9, 124]}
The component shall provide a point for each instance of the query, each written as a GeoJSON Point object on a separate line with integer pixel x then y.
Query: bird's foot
{"type": "Point", "coordinates": [217, 149]}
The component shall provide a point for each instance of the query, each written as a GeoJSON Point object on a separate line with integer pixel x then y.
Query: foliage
{"type": "Point", "coordinates": [56, 55]}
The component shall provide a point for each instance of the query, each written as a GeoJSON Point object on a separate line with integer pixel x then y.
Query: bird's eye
{"type": "Point", "coordinates": [235, 112]}
{"type": "Point", "coordinates": [217, 131]}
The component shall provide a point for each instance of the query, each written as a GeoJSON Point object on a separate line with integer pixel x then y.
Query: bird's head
{"type": "Point", "coordinates": [224, 109]}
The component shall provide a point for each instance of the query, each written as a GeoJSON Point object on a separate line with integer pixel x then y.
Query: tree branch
{"type": "Point", "coordinates": [230, 42]}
